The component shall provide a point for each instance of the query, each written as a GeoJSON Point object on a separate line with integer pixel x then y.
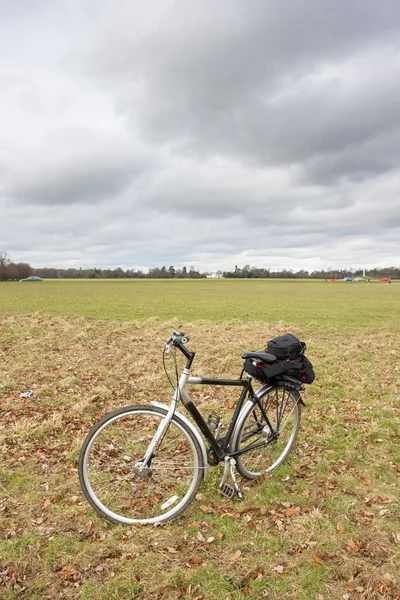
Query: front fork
{"type": "Point", "coordinates": [143, 464]}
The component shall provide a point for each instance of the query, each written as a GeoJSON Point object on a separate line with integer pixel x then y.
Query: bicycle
{"type": "Point", "coordinates": [145, 463]}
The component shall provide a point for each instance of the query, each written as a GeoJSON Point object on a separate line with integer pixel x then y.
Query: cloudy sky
{"type": "Point", "coordinates": [200, 133]}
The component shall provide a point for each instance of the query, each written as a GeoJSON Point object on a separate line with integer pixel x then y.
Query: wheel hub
{"type": "Point", "coordinates": [268, 434]}
{"type": "Point", "coordinates": [140, 471]}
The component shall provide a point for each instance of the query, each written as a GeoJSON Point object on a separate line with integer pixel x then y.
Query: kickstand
{"type": "Point", "coordinates": [227, 490]}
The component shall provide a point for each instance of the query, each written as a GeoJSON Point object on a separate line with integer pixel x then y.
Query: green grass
{"type": "Point", "coordinates": [304, 303]}
{"type": "Point", "coordinates": [342, 540]}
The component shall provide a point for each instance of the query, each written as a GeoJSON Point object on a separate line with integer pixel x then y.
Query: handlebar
{"type": "Point", "coordinates": [177, 338]}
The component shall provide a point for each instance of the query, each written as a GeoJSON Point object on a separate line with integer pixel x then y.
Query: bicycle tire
{"type": "Point", "coordinates": [112, 448]}
{"type": "Point", "coordinates": [283, 410]}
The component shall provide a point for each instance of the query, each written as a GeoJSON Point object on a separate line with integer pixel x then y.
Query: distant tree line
{"type": "Point", "coordinates": [15, 271]}
{"type": "Point", "coordinates": [118, 273]}
{"type": "Point", "coordinates": [248, 272]}
{"type": "Point", "coordinates": [10, 271]}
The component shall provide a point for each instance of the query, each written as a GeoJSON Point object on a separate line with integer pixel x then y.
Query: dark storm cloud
{"type": "Point", "coordinates": [265, 81]}
{"type": "Point", "coordinates": [357, 161]}
{"type": "Point", "coordinates": [205, 133]}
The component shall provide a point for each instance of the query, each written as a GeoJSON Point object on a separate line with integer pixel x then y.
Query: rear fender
{"type": "Point", "coordinates": [291, 384]}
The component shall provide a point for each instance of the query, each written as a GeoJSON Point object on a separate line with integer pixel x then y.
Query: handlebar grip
{"type": "Point", "coordinates": [178, 337]}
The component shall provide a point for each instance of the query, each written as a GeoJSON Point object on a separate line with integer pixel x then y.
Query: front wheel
{"type": "Point", "coordinates": [266, 432]}
{"type": "Point", "coordinates": [109, 462]}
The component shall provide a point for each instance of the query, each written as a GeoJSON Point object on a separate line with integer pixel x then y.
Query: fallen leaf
{"type": "Point", "coordinates": [195, 560]}
{"type": "Point", "coordinates": [317, 559]}
{"type": "Point", "coordinates": [289, 512]}
{"type": "Point", "coordinates": [340, 527]}
{"type": "Point", "coordinates": [236, 555]}
{"type": "Point", "coordinates": [257, 575]}
{"type": "Point", "coordinates": [250, 509]}
{"type": "Point", "coordinates": [353, 546]}
{"type": "Point", "coordinates": [68, 573]}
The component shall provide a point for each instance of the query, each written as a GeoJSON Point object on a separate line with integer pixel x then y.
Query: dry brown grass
{"type": "Point", "coordinates": [326, 526]}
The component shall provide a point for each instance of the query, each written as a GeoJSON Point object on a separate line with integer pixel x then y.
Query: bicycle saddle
{"type": "Point", "coordinates": [260, 355]}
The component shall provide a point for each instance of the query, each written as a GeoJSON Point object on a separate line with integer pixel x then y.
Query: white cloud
{"type": "Point", "coordinates": [200, 133]}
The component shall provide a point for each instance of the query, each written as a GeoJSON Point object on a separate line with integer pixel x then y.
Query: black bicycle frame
{"type": "Point", "coordinates": [220, 447]}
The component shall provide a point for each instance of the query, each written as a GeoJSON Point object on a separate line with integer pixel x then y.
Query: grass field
{"type": "Point", "coordinates": [303, 303]}
{"type": "Point", "coordinates": [325, 526]}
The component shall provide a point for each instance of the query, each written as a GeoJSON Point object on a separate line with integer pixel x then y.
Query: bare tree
{"type": "Point", "coordinates": [5, 258]}
{"type": "Point", "coordinates": [11, 272]}
{"type": "Point", "coordinates": [23, 270]}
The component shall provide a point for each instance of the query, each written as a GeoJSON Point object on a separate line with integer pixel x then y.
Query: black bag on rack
{"type": "Point", "coordinates": [286, 347]}
{"type": "Point", "coordinates": [291, 360]}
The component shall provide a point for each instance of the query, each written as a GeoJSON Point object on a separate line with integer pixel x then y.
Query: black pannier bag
{"type": "Point", "coordinates": [291, 361]}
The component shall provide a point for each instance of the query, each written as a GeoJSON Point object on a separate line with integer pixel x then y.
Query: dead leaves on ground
{"type": "Point", "coordinates": [77, 383]}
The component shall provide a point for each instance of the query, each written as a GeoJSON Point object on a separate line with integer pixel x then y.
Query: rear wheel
{"type": "Point", "coordinates": [109, 464]}
{"type": "Point", "coordinates": [267, 448]}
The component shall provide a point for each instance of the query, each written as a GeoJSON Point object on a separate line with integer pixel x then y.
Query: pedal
{"type": "Point", "coordinates": [232, 464]}
{"type": "Point", "coordinates": [228, 491]}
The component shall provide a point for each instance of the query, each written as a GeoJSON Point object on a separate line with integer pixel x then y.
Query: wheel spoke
{"type": "Point", "coordinates": [282, 410]}
{"type": "Point", "coordinates": [120, 492]}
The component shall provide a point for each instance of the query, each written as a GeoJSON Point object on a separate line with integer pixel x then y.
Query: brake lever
{"type": "Point", "coordinates": [169, 344]}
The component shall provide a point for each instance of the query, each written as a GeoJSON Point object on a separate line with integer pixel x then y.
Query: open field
{"type": "Point", "coordinates": [325, 526]}
{"type": "Point", "coordinates": [338, 305]}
